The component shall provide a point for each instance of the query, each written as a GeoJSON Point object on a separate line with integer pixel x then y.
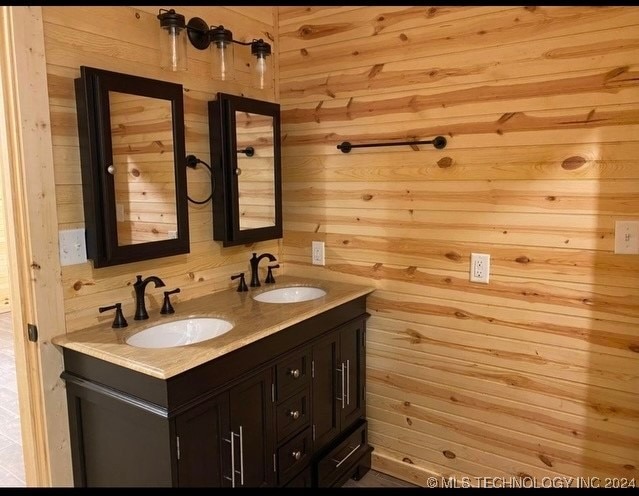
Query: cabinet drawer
{"type": "Point", "coordinates": [293, 372]}
{"type": "Point", "coordinates": [332, 466]}
{"type": "Point", "coordinates": [294, 455]}
{"type": "Point", "coordinates": [293, 414]}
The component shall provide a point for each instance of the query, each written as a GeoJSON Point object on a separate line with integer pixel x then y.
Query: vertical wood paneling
{"type": "Point", "coordinates": [536, 373]}
{"type": "Point", "coordinates": [4, 261]}
{"type": "Point", "coordinates": [125, 39]}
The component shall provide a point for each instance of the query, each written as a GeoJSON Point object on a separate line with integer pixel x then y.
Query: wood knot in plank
{"type": "Point", "coordinates": [35, 266]}
{"type": "Point", "coordinates": [551, 198]}
{"type": "Point", "coordinates": [454, 256]}
{"type": "Point", "coordinates": [135, 173]}
{"type": "Point", "coordinates": [411, 270]}
{"type": "Point", "coordinates": [634, 347]}
{"type": "Point", "coordinates": [377, 266]}
{"type": "Point", "coordinates": [545, 460]}
{"type": "Point", "coordinates": [77, 285]}
{"type": "Point", "coordinates": [506, 117]}
{"type": "Point", "coordinates": [616, 72]}
{"type": "Point", "coordinates": [377, 68]}
{"type": "Point", "coordinates": [310, 32]}
{"type": "Point", "coordinates": [415, 337]}
{"type": "Point", "coordinates": [445, 162]}
{"type": "Point", "coordinates": [524, 475]}
{"type": "Point", "coordinates": [403, 37]}
{"type": "Point", "coordinates": [449, 454]}
{"type": "Point", "coordinates": [431, 12]}
{"type": "Point", "coordinates": [409, 421]}
{"type": "Point", "coordinates": [367, 197]}
{"type": "Point", "coordinates": [461, 315]}
{"type": "Point", "coordinates": [191, 275]}
{"type": "Point", "coordinates": [573, 163]}
{"type": "Point", "coordinates": [304, 52]}
{"type": "Point", "coordinates": [407, 460]}
{"type": "Point", "coordinates": [522, 260]}
{"type": "Point", "coordinates": [629, 467]}
{"type": "Point", "coordinates": [406, 403]}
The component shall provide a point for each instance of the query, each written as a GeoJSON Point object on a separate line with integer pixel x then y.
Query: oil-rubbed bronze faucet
{"type": "Point", "coordinates": [140, 285]}
{"type": "Point", "coordinates": [255, 262]}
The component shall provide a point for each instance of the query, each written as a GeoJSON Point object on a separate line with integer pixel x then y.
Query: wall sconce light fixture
{"type": "Point", "coordinates": [174, 31]}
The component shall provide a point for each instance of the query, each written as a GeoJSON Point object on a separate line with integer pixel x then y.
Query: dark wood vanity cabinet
{"type": "Point", "coordinates": [287, 410]}
{"type": "Point", "coordinates": [226, 441]}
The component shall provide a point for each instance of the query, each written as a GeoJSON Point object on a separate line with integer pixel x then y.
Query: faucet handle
{"type": "Point", "coordinates": [119, 320]}
{"type": "Point", "coordinates": [166, 306]}
{"type": "Point", "coordinates": [242, 285]}
{"type": "Point", "coordinates": [269, 276]}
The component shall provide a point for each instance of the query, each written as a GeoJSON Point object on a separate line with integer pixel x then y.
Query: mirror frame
{"type": "Point", "coordinates": [223, 139]}
{"type": "Point", "coordinates": [98, 188]}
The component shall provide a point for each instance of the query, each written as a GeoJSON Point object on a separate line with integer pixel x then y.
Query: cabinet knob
{"type": "Point", "coordinates": [295, 414]}
{"type": "Point", "coordinates": [297, 454]}
{"type": "Point", "coordinates": [295, 373]}
{"type": "Point", "coordinates": [238, 171]}
{"type": "Point", "coordinates": [111, 169]}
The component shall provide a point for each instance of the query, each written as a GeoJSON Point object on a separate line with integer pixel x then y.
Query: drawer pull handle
{"type": "Point", "coordinates": [339, 462]}
{"type": "Point", "coordinates": [294, 372]}
{"type": "Point", "coordinates": [297, 454]}
{"type": "Point", "coordinates": [294, 414]}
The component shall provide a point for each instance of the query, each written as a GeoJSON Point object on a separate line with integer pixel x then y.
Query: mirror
{"type": "Point", "coordinates": [131, 132]}
{"type": "Point", "coordinates": [245, 149]}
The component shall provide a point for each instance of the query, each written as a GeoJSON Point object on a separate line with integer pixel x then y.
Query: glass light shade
{"type": "Point", "coordinates": [222, 60]}
{"type": "Point", "coordinates": [173, 43]}
{"type": "Point", "coordinates": [262, 72]}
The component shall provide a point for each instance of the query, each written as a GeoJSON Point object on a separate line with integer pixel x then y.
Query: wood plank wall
{"type": "Point", "coordinates": [537, 373]}
{"type": "Point", "coordinates": [4, 261]}
{"type": "Point", "coordinates": [126, 39]}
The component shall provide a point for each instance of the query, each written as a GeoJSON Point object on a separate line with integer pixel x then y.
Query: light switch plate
{"type": "Point", "coordinates": [627, 237]}
{"type": "Point", "coordinates": [73, 249]}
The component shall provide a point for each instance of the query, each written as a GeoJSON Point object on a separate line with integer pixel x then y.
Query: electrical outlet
{"type": "Point", "coordinates": [317, 252]}
{"type": "Point", "coordinates": [627, 237]}
{"type": "Point", "coordinates": [479, 267]}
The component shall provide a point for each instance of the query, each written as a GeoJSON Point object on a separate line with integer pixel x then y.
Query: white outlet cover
{"type": "Point", "coordinates": [627, 237]}
{"type": "Point", "coordinates": [480, 267]}
{"type": "Point", "coordinates": [73, 249]}
{"type": "Point", "coordinates": [317, 253]}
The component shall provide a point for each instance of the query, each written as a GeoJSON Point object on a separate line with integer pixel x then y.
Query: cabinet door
{"type": "Point", "coordinates": [352, 360]}
{"type": "Point", "coordinates": [326, 390]}
{"type": "Point", "coordinates": [252, 431]}
{"type": "Point", "coordinates": [203, 453]}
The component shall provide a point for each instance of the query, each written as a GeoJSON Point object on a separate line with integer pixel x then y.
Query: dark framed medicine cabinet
{"type": "Point", "coordinates": [132, 153]}
{"type": "Point", "coordinates": [246, 156]}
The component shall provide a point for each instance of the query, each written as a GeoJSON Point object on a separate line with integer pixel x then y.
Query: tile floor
{"type": "Point", "coordinates": [11, 461]}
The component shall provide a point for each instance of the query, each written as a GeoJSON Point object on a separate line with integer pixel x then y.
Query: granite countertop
{"type": "Point", "coordinates": [252, 320]}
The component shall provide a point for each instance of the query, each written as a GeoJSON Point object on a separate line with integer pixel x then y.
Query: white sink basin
{"type": "Point", "coordinates": [180, 332]}
{"type": "Point", "coordinates": [292, 294]}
